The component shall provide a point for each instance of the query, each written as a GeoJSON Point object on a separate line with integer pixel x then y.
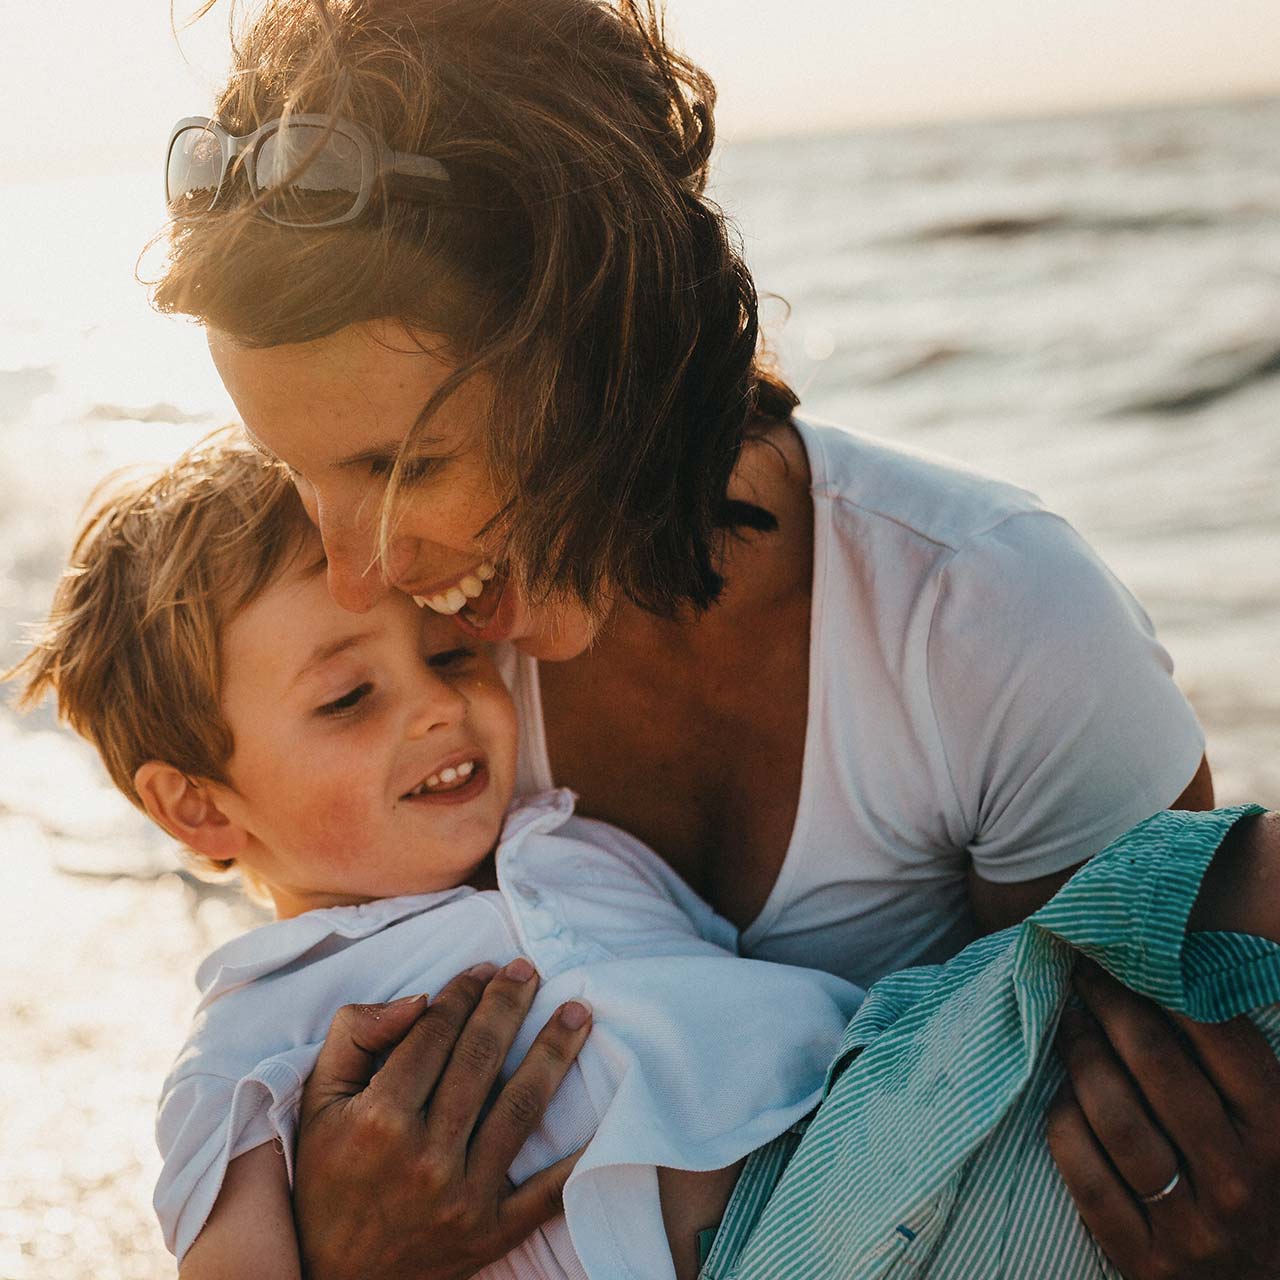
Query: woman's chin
{"type": "Point", "coordinates": [549, 632]}
{"type": "Point", "coordinates": [553, 633]}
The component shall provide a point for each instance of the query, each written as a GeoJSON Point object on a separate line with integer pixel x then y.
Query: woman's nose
{"type": "Point", "coordinates": [356, 578]}
{"type": "Point", "coordinates": [354, 583]}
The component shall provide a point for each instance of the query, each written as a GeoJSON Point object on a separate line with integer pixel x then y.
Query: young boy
{"type": "Point", "coordinates": [357, 770]}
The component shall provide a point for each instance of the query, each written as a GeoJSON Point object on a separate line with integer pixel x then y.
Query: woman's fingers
{"type": "Point", "coordinates": [1111, 1107]}
{"type": "Point", "coordinates": [519, 1108]}
{"type": "Point", "coordinates": [1184, 1101]}
{"type": "Point", "coordinates": [1243, 1066]}
{"type": "Point", "coordinates": [358, 1037]}
{"type": "Point", "coordinates": [534, 1202]}
{"type": "Point", "coordinates": [477, 1055]}
{"type": "Point", "coordinates": [412, 1069]}
{"type": "Point", "coordinates": [1105, 1204]}
{"type": "Point", "coordinates": [1138, 1086]}
{"type": "Point", "coordinates": [408, 1129]}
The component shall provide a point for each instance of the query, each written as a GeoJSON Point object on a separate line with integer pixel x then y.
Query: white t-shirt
{"type": "Point", "coordinates": [695, 1058]}
{"type": "Point", "coordinates": [981, 687]}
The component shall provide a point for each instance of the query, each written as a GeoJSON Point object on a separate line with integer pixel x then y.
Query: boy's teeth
{"type": "Point", "coordinates": [485, 571]}
{"type": "Point", "coordinates": [446, 779]}
{"type": "Point", "coordinates": [471, 586]}
{"type": "Point", "coordinates": [420, 601]}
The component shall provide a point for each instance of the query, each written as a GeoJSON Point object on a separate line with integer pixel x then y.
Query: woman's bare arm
{"type": "Point", "coordinates": [250, 1231]}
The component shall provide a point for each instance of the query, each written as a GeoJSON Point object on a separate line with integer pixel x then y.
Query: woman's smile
{"type": "Point", "coordinates": [452, 596]}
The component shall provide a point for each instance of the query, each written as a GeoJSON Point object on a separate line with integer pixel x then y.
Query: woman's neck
{"type": "Point", "coordinates": [766, 574]}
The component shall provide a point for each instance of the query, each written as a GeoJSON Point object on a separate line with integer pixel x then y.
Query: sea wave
{"type": "Point", "coordinates": [1016, 226]}
{"type": "Point", "coordinates": [158, 412]}
{"type": "Point", "coordinates": [1213, 377]}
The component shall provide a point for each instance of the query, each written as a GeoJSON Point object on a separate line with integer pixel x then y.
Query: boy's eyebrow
{"type": "Point", "coordinates": [330, 649]}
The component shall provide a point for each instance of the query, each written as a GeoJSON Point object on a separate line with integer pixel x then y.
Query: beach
{"type": "Point", "coordinates": [1086, 306]}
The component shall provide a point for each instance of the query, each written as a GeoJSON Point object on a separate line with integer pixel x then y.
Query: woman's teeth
{"type": "Point", "coordinates": [455, 598]}
{"type": "Point", "coordinates": [447, 779]}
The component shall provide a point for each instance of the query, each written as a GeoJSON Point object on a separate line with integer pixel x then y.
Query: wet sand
{"type": "Point", "coordinates": [95, 988]}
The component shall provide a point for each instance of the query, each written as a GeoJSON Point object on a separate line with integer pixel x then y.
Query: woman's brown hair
{"type": "Point", "coordinates": [576, 262]}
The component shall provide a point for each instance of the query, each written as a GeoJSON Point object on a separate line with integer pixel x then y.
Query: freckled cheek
{"type": "Point", "coordinates": [342, 824]}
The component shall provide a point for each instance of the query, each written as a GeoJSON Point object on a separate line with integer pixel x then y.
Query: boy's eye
{"type": "Point", "coordinates": [450, 657]}
{"type": "Point", "coordinates": [348, 701]}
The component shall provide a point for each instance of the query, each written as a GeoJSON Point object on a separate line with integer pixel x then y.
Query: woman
{"type": "Point", "coordinates": [859, 701]}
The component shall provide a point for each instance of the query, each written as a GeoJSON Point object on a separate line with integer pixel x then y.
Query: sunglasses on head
{"type": "Point", "coordinates": [305, 170]}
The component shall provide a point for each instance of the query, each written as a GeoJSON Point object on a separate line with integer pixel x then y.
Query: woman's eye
{"type": "Point", "coordinates": [412, 470]}
{"type": "Point", "coordinates": [450, 657]}
{"type": "Point", "coordinates": [348, 702]}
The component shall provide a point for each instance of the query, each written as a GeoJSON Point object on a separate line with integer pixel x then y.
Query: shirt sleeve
{"type": "Point", "coordinates": [203, 1123]}
{"type": "Point", "coordinates": [1059, 721]}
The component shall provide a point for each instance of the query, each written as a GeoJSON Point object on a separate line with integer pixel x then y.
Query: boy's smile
{"type": "Point", "coordinates": [374, 754]}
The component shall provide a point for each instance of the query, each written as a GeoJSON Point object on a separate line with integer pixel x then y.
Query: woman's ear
{"type": "Point", "coordinates": [188, 811]}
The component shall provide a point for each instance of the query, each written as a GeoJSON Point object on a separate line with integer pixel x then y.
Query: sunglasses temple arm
{"type": "Point", "coordinates": [404, 165]}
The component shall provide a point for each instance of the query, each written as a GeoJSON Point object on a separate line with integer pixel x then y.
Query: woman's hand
{"type": "Point", "coordinates": [395, 1176]}
{"type": "Point", "coordinates": [1211, 1115]}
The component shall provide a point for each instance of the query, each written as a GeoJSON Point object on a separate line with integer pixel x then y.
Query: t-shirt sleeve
{"type": "Point", "coordinates": [1059, 720]}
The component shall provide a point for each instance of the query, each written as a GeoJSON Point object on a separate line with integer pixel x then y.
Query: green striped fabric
{"type": "Point", "coordinates": [927, 1155]}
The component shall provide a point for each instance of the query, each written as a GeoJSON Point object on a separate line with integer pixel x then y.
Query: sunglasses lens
{"type": "Point", "coordinates": [194, 172]}
{"type": "Point", "coordinates": [311, 175]}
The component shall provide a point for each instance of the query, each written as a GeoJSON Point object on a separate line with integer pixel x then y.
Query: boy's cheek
{"type": "Point", "coordinates": [340, 823]}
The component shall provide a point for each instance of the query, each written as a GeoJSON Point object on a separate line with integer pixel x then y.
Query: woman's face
{"type": "Point", "coordinates": [335, 412]}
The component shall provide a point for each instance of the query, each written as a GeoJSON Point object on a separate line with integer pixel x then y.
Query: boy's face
{"type": "Point", "coordinates": [374, 753]}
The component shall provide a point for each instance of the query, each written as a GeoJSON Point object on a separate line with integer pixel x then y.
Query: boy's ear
{"type": "Point", "coordinates": [188, 811]}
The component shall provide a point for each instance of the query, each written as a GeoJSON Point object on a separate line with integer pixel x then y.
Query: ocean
{"type": "Point", "coordinates": [1088, 306]}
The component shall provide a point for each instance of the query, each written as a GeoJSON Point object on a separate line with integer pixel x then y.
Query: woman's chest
{"type": "Point", "coordinates": [705, 767]}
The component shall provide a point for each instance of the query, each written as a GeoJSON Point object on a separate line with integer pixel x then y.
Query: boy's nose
{"type": "Point", "coordinates": [439, 706]}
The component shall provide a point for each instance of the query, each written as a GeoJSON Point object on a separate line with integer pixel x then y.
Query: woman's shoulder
{"type": "Point", "coordinates": [906, 492]}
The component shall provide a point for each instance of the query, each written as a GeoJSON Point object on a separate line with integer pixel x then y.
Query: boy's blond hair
{"type": "Point", "coordinates": [132, 647]}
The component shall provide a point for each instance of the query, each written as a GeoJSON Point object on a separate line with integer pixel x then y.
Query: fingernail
{"type": "Point", "coordinates": [483, 971]}
{"type": "Point", "coordinates": [519, 970]}
{"type": "Point", "coordinates": [575, 1014]}
{"type": "Point", "coordinates": [406, 1000]}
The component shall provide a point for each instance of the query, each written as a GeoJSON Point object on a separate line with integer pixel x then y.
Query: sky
{"type": "Point", "coordinates": [87, 87]}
